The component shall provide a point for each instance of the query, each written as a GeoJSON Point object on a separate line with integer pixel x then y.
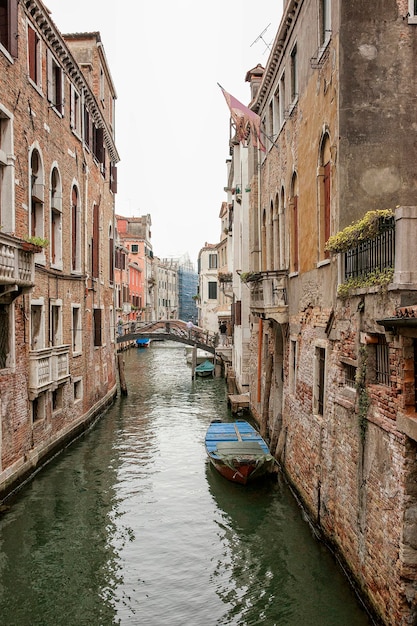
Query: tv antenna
{"type": "Point", "coordinates": [261, 36]}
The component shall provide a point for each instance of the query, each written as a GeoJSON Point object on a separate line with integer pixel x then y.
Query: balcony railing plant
{"type": "Point", "coordinates": [368, 248]}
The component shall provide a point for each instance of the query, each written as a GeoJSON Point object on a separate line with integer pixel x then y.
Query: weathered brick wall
{"type": "Point", "coordinates": [36, 124]}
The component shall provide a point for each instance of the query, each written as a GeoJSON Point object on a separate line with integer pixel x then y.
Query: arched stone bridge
{"type": "Point", "coordinates": [172, 330]}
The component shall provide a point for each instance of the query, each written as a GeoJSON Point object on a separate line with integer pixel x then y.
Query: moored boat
{"type": "Point", "coordinates": [205, 369]}
{"type": "Point", "coordinates": [143, 342]}
{"type": "Point", "coordinates": [237, 451]}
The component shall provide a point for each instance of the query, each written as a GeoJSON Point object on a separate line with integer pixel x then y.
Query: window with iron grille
{"type": "Point", "coordinates": [349, 375]}
{"type": "Point", "coordinates": [319, 380]}
{"type": "Point", "coordinates": [382, 361]}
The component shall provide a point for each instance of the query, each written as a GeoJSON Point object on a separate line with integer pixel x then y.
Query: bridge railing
{"type": "Point", "coordinates": [168, 328]}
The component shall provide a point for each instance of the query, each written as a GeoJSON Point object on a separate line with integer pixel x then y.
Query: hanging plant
{"type": "Point", "coordinates": [249, 277]}
{"type": "Point", "coordinates": [224, 277]}
{"type": "Point", "coordinates": [368, 227]}
{"type": "Point", "coordinates": [38, 242]}
{"type": "Point", "coordinates": [377, 278]}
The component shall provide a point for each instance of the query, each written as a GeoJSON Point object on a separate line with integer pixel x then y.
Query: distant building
{"type": "Point", "coordinates": [187, 290]}
{"type": "Point", "coordinates": [208, 287]}
{"type": "Point", "coordinates": [134, 233]}
{"type": "Point", "coordinates": [166, 272]}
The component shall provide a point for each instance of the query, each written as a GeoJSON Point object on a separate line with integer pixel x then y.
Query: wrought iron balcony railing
{"type": "Point", "coordinates": [371, 255]}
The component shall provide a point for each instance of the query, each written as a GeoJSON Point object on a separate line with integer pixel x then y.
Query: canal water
{"type": "Point", "coordinates": [131, 526]}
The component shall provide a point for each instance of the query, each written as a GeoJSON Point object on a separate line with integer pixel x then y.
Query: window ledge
{"type": "Point", "coordinates": [407, 424]}
{"type": "Point", "coordinates": [346, 397]}
{"type": "Point", "coordinates": [6, 54]}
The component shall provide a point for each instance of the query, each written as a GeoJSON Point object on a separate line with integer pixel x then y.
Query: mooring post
{"type": "Point", "coordinates": [193, 362]}
{"type": "Point", "coordinates": [121, 367]}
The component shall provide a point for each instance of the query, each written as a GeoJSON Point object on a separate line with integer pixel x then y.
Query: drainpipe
{"type": "Point", "coordinates": [260, 331]}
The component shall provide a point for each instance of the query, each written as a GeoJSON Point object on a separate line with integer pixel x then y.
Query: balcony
{"type": "Point", "coordinates": [17, 266]}
{"type": "Point", "coordinates": [48, 368]}
{"type": "Point", "coordinates": [268, 296]}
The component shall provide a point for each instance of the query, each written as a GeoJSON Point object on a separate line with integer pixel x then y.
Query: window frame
{"type": "Point", "coordinates": [34, 65]}
{"type": "Point", "coordinates": [412, 11]}
{"type": "Point", "coordinates": [9, 38]}
{"type": "Point", "coordinates": [55, 84]}
{"type": "Point", "coordinates": [319, 378]}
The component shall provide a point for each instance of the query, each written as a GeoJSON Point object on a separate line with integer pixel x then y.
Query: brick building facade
{"type": "Point", "coordinates": [57, 184]}
{"type": "Point", "coordinates": [333, 356]}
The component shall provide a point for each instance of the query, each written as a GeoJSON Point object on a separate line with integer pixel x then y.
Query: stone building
{"type": "Point", "coordinates": [57, 188]}
{"type": "Point", "coordinates": [166, 272]}
{"type": "Point", "coordinates": [134, 233]}
{"type": "Point", "coordinates": [208, 288]}
{"type": "Point", "coordinates": [333, 283]}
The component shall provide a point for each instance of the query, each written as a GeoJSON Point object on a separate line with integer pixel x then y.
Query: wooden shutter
{"type": "Point", "coordinates": [113, 178]}
{"type": "Point", "coordinates": [96, 241]}
{"type": "Point", "coordinates": [13, 28]}
{"type": "Point", "coordinates": [32, 53]}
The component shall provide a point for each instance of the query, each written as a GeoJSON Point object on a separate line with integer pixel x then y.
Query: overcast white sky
{"type": "Point", "coordinates": [172, 121]}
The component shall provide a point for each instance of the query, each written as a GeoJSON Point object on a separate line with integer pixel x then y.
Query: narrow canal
{"type": "Point", "coordinates": [131, 526]}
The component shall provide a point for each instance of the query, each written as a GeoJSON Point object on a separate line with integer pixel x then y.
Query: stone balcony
{"type": "Point", "coordinates": [17, 265]}
{"type": "Point", "coordinates": [268, 296]}
{"type": "Point", "coordinates": [48, 368]}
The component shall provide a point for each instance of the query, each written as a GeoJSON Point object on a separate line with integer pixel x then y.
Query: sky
{"type": "Point", "coordinates": [166, 60]}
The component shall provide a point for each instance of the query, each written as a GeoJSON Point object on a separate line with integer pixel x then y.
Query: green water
{"type": "Point", "coordinates": [130, 525]}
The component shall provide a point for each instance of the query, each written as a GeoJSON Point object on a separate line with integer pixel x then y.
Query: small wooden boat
{"type": "Point", "coordinates": [143, 342]}
{"type": "Point", "coordinates": [237, 451]}
{"type": "Point", "coordinates": [205, 369]}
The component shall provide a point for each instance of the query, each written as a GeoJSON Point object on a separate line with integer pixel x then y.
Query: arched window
{"type": "Point", "coordinates": [294, 248]}
{"type": "Point", "coordinates": [75, 230]}
{"type": "Point", "coordinates": [55, 246]}
{"type": "Point", "coordinates": [111, 254]}
{"type": "Point", "coordinates": [283, 245]}
{"type": "Point", "coordinates": [264, 240]}
{"type": "Point", "coordinates": [270, 233]}
{"type": "Point", "coordinates": [323, 184]}
{"type": "Point", "coordinates": [36, 226]}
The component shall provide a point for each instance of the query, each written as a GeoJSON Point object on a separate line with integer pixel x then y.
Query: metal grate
{"type": "Point", "coordinates": [372, 254]}
{"type": "Point", "coordinates": [382, 362]}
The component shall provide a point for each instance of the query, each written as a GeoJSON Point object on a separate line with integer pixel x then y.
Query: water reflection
{"type": "Point", "coordinates": [132, 525]}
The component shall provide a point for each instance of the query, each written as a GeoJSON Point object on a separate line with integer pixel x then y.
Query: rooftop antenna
{"type": "Point", "coordinates": [261, 36]}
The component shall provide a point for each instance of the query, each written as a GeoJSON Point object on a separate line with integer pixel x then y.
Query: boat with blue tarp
{"type": "Point", "coordinates": [237, 451]}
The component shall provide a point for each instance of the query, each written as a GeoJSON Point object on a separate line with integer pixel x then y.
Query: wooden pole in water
{"type": "Point", "coordinates": [193, 362]}
{"type": "Point", "coordinates": [121, 367]}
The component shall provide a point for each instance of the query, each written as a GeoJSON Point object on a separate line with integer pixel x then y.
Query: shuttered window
{"type": "Point", "coordinates": [97, 327]}
{"type": "Point", "coordinates": [96, 242]}
{"type": "Point", "coordinates": [9, 26]}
